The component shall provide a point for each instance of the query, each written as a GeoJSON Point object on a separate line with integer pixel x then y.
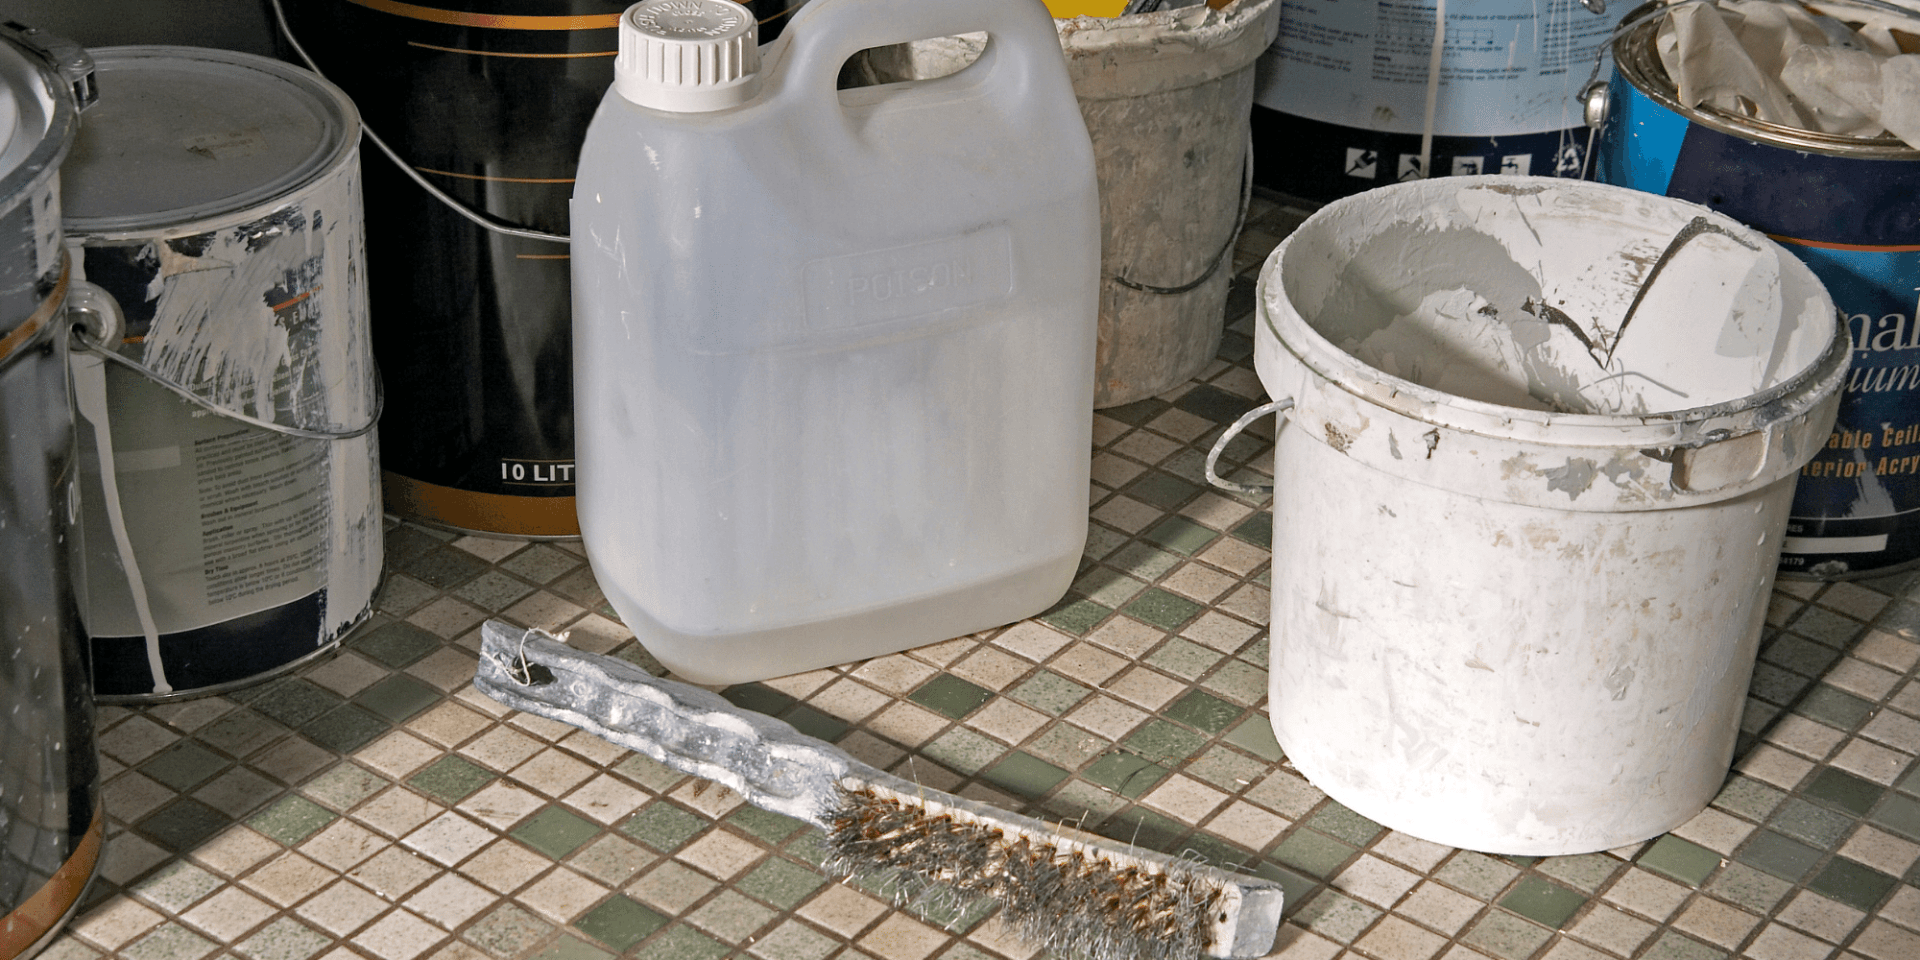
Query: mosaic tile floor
{"type": "Point", "coordinates": [373, 805]}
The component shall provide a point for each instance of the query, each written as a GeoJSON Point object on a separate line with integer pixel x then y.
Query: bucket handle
{"type": "Point", "coordinates": [1246, 419]}
{"type": "Point", "coordinates": [87, 340]}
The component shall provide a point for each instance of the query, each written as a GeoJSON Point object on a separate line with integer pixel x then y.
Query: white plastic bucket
{"type": "Point", "coordinates": [1529, 499]}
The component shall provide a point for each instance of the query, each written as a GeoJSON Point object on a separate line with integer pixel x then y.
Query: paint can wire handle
{"type": "Point", "coordinates": [87, 340]}
{"type": "Point", "coordinates": [1280, 406]}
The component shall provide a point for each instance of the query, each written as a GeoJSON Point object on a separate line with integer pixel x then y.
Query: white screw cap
{"type": "Point", "coordinates": [687, 56]}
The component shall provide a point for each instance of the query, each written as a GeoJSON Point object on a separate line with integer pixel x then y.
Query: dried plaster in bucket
{"type": "Point", "coordinates": [1541, 299]}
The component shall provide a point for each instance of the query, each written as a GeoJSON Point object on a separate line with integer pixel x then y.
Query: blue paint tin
{"type": "Point", "coordinates": [1848, 207]}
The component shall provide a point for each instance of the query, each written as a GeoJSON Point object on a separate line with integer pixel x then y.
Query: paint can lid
{"type": "Point", "coordinates": [25, 109]}
{"type": "Point", "coordinates": [184, 134]}
{"type": "Point", "coordinates": [687, 56]}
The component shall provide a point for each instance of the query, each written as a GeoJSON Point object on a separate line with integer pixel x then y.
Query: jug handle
{"type": "Point", "coordinates": [823, 35]}
{"type": "Point", "coordinates": [1280, 406]}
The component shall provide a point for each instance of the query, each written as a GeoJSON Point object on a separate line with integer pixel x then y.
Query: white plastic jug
{"type": "Point", "coordinates": [833, 349]}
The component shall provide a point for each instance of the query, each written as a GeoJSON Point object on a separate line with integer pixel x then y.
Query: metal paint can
{"type": "Point", "coordinates": [51, 818]}
{"type": "Point", "coordinates": [1359, 94]}
{"type": "Point", "coordinates": [231, 509]}
{"type": "Point", "coordinates": [473, 326]}
{"type": "Point", "coordinates": [1848, 207]}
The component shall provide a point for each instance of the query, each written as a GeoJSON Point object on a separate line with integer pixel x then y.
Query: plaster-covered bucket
{"type": "Point", "coordinates": [1165, 96]}
{"type": "Point", "coordinates": [1529, 498]}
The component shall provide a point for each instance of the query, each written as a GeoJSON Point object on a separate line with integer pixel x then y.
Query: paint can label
{"type": "Point", "coordinates": [1855, 221]}
{"type": "Point", "coordinates": [1342, 97]}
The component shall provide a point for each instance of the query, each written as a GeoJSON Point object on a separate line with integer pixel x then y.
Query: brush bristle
{"type": "Point", "coordinates": [1053, 894]}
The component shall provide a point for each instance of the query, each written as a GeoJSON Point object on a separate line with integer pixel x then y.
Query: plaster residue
{"type": "Point", "coordinates": [1530, 300]}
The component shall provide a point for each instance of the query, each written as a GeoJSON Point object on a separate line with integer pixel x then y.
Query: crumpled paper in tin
{"type": "Point", "coordinates": [1835, 68]}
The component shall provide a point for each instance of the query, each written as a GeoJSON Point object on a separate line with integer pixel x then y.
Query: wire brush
{"type": "Point", "coordinates": [1059, 888]}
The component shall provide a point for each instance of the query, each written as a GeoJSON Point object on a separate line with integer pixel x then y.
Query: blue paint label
{"type": "Point", "coordinates": [1856, 222]}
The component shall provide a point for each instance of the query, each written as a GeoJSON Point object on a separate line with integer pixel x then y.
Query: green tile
{"type": "Point", "coordinates": [451, 779]}
{"type": "Point", "coordinates": [1673, 946]}
{"type": "Point", "coordinates": [1126, 774]}
{"type": "Point", "coordinates": [444, 568]}
{"type": "Point", "coordinates": [758, 697]}
{"type": "Point", "coordinates": [1210, 402]}
{"type": "Point", "coordinates": [1230, 770]}
{"type": "Point", "coordinates": [1067, 746]}
{"type": "Point", "coordinates": [732, 917]}
{"type": "Point", "coordinates": [1102, 540]}
{"type": "Point", "coordinates": [570, 948]}
{"type": "Point", "coordinates": [1748, 887]}
{"type": "Point", "coordinates": [809, 847]}
{"type": "Point", "coordinates": [292, 819]}
{"type": "Point", "coordinates": [1024, 775]}
{"type": "Point", "coordinates": [398, 698]}
{"type": "Point", "coordinates": [1145, 561]}
{"type": "Point", "coordinates": [948, 694]}
{"type": "Point", "coordinates": [1477, 874]}
{"type": "Point", "coordinates": [964, 751]}
{"type": "Point", "coordinates": [1682, 860]}
{"type": "Point", "coordinates": [1107, 586]}
{"type": "Point", "coordinates": [1507, 936]}
{"type": "Point", "coordinates": [1777, 685]}
{"type": "Point", "coordinates": [620, 922]}
{"type": "Point", "coordinates": [1138, 413]}
{"type": "Point", "coordinates": [1217, 852]}
{"type": "Point", "coordinates": [555, 831]}
{"type": "Point", "coordinates": [184, 765]}
{"type": "Point", "coordinates": [681, 942]}
{"type": "Point", "coordinates": [1337, 821]}
{"type": "Point", "coordinates": [780, 882]}
{"type": "Point", "coordinates": [1335, 916]}
{"type": "Point", "coordinates": [1827, 627]}
{"type": "Point", "coordinates": [1784, 858]}
{"type": "Point", "coordinates": [816, 723]}
{"type": "Point", "coordinates": [1543, 902]}
{"type": "Point", "coordinates": [1749, 798]}
{"type": "Point", "coordinates": [540, 563]}
{"type": "Point", "coordinates": [184, 824]}
{"type": "Point", "coordinates": [1800, 655]}
{"type": "Point", "coordinates": [1146, 829]}
{"type": "Point", "coordinates": [397, 644]}
{"type": "Point", "coordinates": [508, 931]}
{"type": "Point", "coordinates": [663, 826]}
{"type": "Point", "coordinates": [1203, 712]}
{"type": "Point", "coordinates": [1255, 735]}
{"type": "Point", "coordinates": [344, 786]}
{"type": "Point", "coordinates": [494, 590]}
{"type": "Point", "coordinates": [1257, 529]}
{"type": "Point", "coordinates": [1587, 872]}
{"type": "Point", "coordinates": [1180, 535]}
{"type": "Point", "coordinates": [1161, 490]}
{"type": "Point", "coordinates": [765, 824]}
{"type": "Point", "coordinates": [284, 939]}
{"type": "Point", "coordinates": [1168, 611]}
{"type": "Point", "coordinates": [1050, 692]}
{"type": "Point", "coordinates": [1313, 853]}
{"type": "Point", "coordinates": [1163, 740]}
{"type": "Point", "coordinates": [1834, 707]}
{"type": "Point", "coordinates": [1816, 825]}
{"type": "Point", "coordinates": [1076, 616]}
{"type": "Point", "coordinates": [346, 729]}
{"type": "Point", "coordinates": [1238, 681]}
{"type": "Point", "coordinates": [169, 941]}
{"type": "Point", "coordinates": [1184, 659]}
{"type": "Point", "coordinates": [1856, 885]}
{"type": "Point", "coordinates": [1296, 888]}
{"type": "Point", "coordinates": [295, 701]}
{"type": "Point", "coordinates": [1899, 814]}
{"type": "Point", "coordinates": [1911, 782]}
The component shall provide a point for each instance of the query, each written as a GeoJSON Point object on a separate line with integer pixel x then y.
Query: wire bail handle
{"type": "Point", "coordinates": [1246, 420]}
